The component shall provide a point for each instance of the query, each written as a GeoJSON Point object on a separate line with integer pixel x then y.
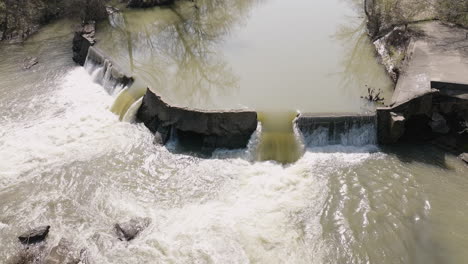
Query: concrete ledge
{"type": "Point", "coordinates": [338, 127]}
{"type": "Point", "coordinates": [114, 74]}
{"type": "Point", "coordinates": [458, 90]}
{"type": "Point", "coordinates": [205, 129]}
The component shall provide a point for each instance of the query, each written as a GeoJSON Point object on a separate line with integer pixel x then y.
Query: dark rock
{"type": "Point", "coordinates": [464, 157]}
{"type": "Point", "coordinates": [439, 124]}
{"type": "Point", "coordinates": [129, 230]}
{"type": "Point", "coordinates": [83, 39]}
{"type": "Point", "coordinates": [35, 235]}
{"type": "Point", "coordinates": [148, 3]}
{"type": "Point", "coordinates": [205, 129]}
{"type": "Point", "coordinates": [397, 126]}
{"type": "Point", "coordinates": [29, 62]}
{"type": "Point", "coordinates": [162, 135]}
{"type": "Point", "coordinates": [390, 125]}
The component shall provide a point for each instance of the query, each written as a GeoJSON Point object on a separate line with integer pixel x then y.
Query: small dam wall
{"type": "Point", "coordinates": [202, 129]}
{"type": "Point", "coordinates": [110, 76]}
{"type": "Point", "coordinates": [207, 130]}
{"type": "Point", "coordinates": [337, 129]}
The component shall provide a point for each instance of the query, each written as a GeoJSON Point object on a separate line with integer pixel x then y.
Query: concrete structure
{"type": "Point", "coordinates": [431, 95]}
{"type": "Point", "coordinates": [337, 128]}
{"type": "Point", "coordinates": [207, 130]}
{"type": "Point", "coordinates": [201, 129]}
{"type": "Point", "coordinates": [440, 55]}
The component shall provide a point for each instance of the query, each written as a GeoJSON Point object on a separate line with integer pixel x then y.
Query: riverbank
{"type": "Point", "coordinates": [430, 101]}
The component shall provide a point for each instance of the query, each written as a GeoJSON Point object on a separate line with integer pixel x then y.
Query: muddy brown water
{"type": "Point", "coordinates": [67, 161]}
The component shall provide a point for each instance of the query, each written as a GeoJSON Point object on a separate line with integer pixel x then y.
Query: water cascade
{"type": "Point", "coordinates": [125, 89]}
{"type": "Point", "coordinates": [278, 139]}
{"type": "Point", "coordinates": [127, 98]}
{"type": "Point", "coordinates": [337, 129]}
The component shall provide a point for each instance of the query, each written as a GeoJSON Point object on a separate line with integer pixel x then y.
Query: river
{"type": "Point", "coordinates": [67, 161]}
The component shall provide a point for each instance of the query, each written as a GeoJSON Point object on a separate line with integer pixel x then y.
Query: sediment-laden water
{"type": "Point", "coordinates": [66, 160]}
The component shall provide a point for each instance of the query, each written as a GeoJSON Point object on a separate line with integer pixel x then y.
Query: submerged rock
{"type": "Point", "coordinates": [66, 252]}
{"type": "Point", "coordinates": [129, 230]}
{"type": "Point", "coordinates": [35, 235]}
{"type": "Point", "coordinates": [34, 254]}
{"type": "Point", "coordinates": [29, 62]}
{"type": "Point", "coordinates": [148, 3]}
{"type": "Point", "coordinates": [83, 39]}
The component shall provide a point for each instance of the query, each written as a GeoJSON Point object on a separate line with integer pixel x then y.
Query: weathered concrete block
{"type": "Point", "coordinates": [208, 129]}
{"type": "Point", "coordinates": [390, 125]}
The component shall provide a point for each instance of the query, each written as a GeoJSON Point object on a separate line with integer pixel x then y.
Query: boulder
{"type": "Point", "coordinates": [35, 235]}
{"type": "Point", "coordinates": [439, 124]}
{"type": "Point", "coordinates": [148, 3]}
{"type": "Point", "coordinates": [130, 229]}
{"type": "Point", "coordinates": [83, 39]}
{"type": "Point", "coordinates": [205, 129]}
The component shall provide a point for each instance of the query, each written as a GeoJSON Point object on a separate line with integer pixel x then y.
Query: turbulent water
{"type": "Point", "coordinates": [67, 161]}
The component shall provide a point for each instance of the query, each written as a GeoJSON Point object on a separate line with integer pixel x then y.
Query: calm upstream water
{"type": "Point", "coordinates": [67, 161]}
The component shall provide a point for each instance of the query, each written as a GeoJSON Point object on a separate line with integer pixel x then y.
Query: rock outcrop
{"type": "Point", "coordinates": [84, 38]}
{"type": "Point", "coordinates": [130, 229]}
{"type": "Point", "coordinates": [148, 3]}
{"type": "Point", "coordinates": [202, 129]}
{"type": "Point", "coordinates": [35, 235]}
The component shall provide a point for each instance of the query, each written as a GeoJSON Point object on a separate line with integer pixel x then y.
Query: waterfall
{"type": "Point", "coordinates": [127, 100]}
{"type": "Point", "coordinates": [278, 140]}
{"type": "Point", "coordinates": [338, 129]}
{"type": "Point", "coordinates": [126, 91]}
